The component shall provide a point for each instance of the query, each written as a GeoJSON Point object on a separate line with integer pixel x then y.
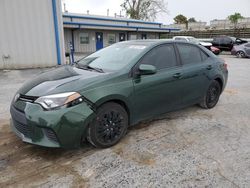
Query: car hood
{"type": "Point", "coordinates": [59, 80]}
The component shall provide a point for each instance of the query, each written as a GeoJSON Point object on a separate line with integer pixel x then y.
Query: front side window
{"type": "Point", "coordinates": [189, 54]}
{"type": "Point", "coordinates": [84, 38]}
{"type": "Point", "coordinates": [161, 57]}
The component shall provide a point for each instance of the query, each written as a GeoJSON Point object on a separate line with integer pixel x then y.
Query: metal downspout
{"type": "Point", "coordinates": [58, 52]}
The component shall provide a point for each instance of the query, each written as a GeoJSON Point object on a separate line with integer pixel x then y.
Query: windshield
{"type": "Point", "coordinates": [194, 40]}
{"type": "Point", "coordinates": [114, 57]}
{"type": "Point", "coordinates": [233, 38]}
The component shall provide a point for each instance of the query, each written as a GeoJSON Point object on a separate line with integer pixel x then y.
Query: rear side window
{"type": "Point", "coordinates": [161, 57]}
{"type": "Point", "coordinates": [189, 54]}
{"type": "Point", "coordinates": [204, 56]}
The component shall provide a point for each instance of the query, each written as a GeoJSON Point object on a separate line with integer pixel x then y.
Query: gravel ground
{"type": "Point", "coordinates": [192, 147]}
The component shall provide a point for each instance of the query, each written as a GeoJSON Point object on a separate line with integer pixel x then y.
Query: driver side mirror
{"type": "Point", "coordinates": [147, 69]}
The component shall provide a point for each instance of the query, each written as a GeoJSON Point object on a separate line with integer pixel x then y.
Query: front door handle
{"type": "Point", "coordinates": [209, 67]}
{"type": "Point", "coordinates": [177, 75]}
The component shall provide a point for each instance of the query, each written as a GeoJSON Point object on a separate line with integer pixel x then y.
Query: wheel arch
{"type": "Point", "coordinates": [220, 80]}
{"type": "Point", "coordinates": [121, 100]}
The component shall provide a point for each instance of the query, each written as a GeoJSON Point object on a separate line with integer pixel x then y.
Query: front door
{"type": "Point", "coordinates": [121, 37]}
{"type": "Point", "coordinates": [99, 40]}
{"type": "Point", "coordinates": [161, 92]}
{"type": "Point", "coordinates": [247, 49]}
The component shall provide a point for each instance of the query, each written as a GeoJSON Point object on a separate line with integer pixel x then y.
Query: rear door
{"type": "Point", "coordinates": [160, 92]}
{"type": "Point", "coordinates": [196, 66]}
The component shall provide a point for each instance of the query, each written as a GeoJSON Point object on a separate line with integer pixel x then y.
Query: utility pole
{"type": "Point", "coordinates": [64, 7]}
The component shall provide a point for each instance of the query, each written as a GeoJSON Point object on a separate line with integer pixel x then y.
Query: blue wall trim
{"type": "Point", "coordinates": [58, 52]}
{"type": "Point", "coordinates": [109, 19]}
{"type": "Point", "coordinates": [118, 26]}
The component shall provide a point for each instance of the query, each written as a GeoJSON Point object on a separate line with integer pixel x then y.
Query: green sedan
{"type": "Point", "coordinates": [102, 94]}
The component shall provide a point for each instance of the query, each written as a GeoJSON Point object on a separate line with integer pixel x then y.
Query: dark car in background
{"type": "Point", "coordinates": [191, 39]}
{"type": "Point", "coordinates": [242, 50]}
{"type": "Point", "coordinates": [226, 43]}
{"type": "Point", "coordinates": [102, 94]}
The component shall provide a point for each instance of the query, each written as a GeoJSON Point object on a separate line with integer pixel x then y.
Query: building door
{"type": "Point", "coordinates": [143, 36]}
{"type": "Point", "coordinates": [99, 40]}
{"type": "Point", "coordinates": [121, 37]}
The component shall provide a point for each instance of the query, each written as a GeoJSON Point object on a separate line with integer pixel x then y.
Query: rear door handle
{"type": "Point", "coordinates": [177, 75]}
{"type": "Point", "coordinates": [209, 67]}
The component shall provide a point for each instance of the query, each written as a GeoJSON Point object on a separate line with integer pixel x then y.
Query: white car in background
{"type": "Point", "coordinates": [207, 45]}
{"type": "Point", "coordinates": [193, 40]}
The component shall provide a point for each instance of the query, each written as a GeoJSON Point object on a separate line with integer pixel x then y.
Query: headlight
{"type": "Point", "coordinates": [56, 101]}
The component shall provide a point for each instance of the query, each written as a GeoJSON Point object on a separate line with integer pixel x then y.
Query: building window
{"type": "Point", "coordinates": [133, 37]}
{"type": "Point", "coordinates": [111, 38]}
{"type": "Point", "coordinates": [84, 38]}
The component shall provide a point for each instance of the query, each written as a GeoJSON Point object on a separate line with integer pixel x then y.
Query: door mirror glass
{"type": "Point", "coordinates": [147, 69]}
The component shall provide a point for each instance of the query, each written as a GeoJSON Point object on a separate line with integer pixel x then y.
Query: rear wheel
{"type": "Point", "coordinates": [240, 54]}
{"type": "Point", "coordinates": [109, 126]}
{"type": "Point", "coordinates": [212, 96]}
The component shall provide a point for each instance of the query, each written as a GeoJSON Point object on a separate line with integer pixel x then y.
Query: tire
{"type": "Point", "coordinates": [212, 95]}
{"type": "Point", "coordinates": [240, 54]}
{"type": "Point", "coordinates": [109, 126]}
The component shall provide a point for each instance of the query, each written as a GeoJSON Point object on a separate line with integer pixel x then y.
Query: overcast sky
{"type": "Point", "coordinates": [204, 10]}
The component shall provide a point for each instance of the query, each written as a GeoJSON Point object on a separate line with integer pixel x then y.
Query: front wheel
{"type": "Point", "coordinates": [240, 54]}
{"type": "Point", "coordinates": [109, 126]}
{"type": "Point", "coordinates": [212, 95]}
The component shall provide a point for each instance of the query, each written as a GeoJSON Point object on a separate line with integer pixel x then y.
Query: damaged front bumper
{"type": "Point", "coordinates": [64, 127]}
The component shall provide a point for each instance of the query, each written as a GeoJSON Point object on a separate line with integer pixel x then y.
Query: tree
{"type": "Point", "coordinates": [234, 18]}
{"type": "Point", "coordinates": [192, 20]}
{"type": "Point", "coordinates": [180, 19]}
{"type": "Point", "coordinates": [144, 9]}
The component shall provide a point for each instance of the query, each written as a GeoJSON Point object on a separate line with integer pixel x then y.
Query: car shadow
{"type": "Point", "coordinates": [166, 116]}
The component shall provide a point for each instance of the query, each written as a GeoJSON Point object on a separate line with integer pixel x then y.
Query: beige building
{"type": "Point", "coordinates": [226, 24]}
{"type": "Point", "coordinates": [192, 26]}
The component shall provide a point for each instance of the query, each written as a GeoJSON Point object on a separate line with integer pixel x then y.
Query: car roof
{"type": "Point", "coordinates": [152, 42]}
{"type": "Point", "coordinates": [183, 37]}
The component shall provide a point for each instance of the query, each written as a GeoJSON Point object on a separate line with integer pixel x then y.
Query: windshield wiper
{"type": "Point", "coordinates": [95, 68]}
{"type": "Point", "coordinates": [87, 67]}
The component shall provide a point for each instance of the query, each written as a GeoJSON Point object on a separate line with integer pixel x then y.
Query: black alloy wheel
{"type": "Point", "coordinates": [212, 95]}
{"type": "Point", "coordinates": [109, 126]}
